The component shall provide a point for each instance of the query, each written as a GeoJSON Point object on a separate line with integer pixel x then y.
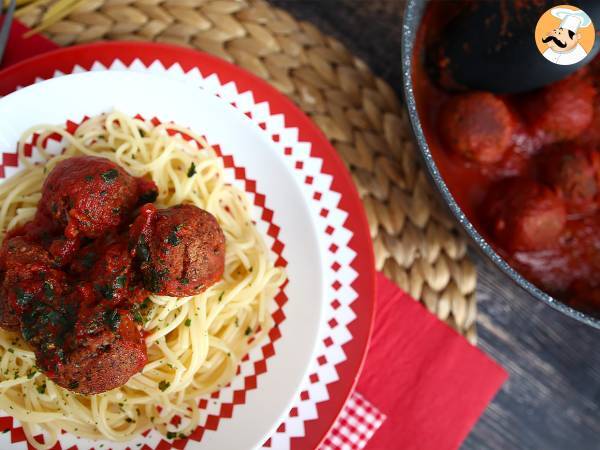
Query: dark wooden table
{"type": "Point", "coordinates": [552, 399]}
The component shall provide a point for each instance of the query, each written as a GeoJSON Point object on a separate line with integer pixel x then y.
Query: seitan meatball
{"type": "Point", "coordinates": [89, 196]}
{"type": "Point", "coordinates": [181, 250]}
{"type": "Point", "coordinates": [27, 272]}
{"type": "Point", "coordinates": [102, 353]}
{"type": "Point", "coordinates": [524, 215]}
{"type": "Point", "coordinates": [561, 111]}
{"type": "Point", "coordinates": [477, 126]}
{"type": "Point", "coordinates": [575, 174]}
{"type": "Point", "coordinates": [106, 272]}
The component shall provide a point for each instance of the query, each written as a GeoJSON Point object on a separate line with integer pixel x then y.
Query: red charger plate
{"type": "Point", "coordinates": [84, 57]}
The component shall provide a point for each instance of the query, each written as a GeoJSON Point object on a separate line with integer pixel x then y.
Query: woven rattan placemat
{"type": "Point", "coordinates": [416, 243]}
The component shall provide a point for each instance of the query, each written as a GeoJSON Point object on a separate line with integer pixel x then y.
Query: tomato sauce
{"type": "Point", "coordinates": [525, 169]}
{"type": "Point", "coordinates": [68, 278]}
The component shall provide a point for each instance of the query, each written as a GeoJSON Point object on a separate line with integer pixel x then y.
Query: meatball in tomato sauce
{"type": "Point", "coordinates": [561, 111]}
{"type": "Point", "coordinates": [478, 126]}
{"type": "Point", "coordinates": [524, 215]}
{"type": "Point", "coordinates": [89, 196]}
{"type": "Point", "coordinates": [106, 273]}
{"type": "Point", "coordinates": [27, 273]}
{"type": "Point", "coordinates": [71, 279]}
{"type": "Point", "coordinates": [104, 351]}
{"type": "Point", "coordinates": [575, 174]}
{"type": "Point", "coordinates": [181, 250]}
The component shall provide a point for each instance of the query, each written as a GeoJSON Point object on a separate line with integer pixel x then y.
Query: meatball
{"type": "Point", "coordinates": [109, 263]}
{"type": "Point", "coordinates": [88, 196]}
{"type": "Point", "coordinates": [27, 273]}
{"type": "Point", "coordinates": [575, 175]}
{"type": "Point", "coordinates": [102, 354]}
{"type": "Point", "coordinates": [524, 215]}
{"type": "Point", "coordinates": [478, 126]}
{"type": "Point", "coordinates": [18, 251]}
{"type": "Point", "coordinates": [561, 111]}
{"type": "Point", "coordinates": [181, 249]}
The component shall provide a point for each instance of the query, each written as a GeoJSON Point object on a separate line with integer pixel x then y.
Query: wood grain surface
{"type": "Point", "coordinates": [552, 399]}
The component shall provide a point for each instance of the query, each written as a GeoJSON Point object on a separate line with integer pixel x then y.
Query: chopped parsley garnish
{"type": "Point", "coordinates": [129, 420]}
{"type": "Point", "coordinates": [137, 317]}
{"type": "Point", "coordinates": [184, 281]}
{"type": "Point", "coordinates": [112, 318]}
{"type": "Point", "coordinates": [164, 385]}
{"type": "Point", "coordinates": [31, 373]}
{"type": "Point", "coordinates": [188, 322]}
{"type": "Point", "coordinates": [89, 178]}
{"type": "Point", "coordinates": [221, 296]}
{"type": "Point", "coordinates": [110, 175]}
{"type": "Point", "coordinates": [74, 384]}
{"type": "Point", "coordinates": [88, 260]}
{"type": "Point", "coordinates": [248, 331]}
{"type": "Point", "coordinates": [56, 318]}
{"type": "Point", "coordinates": [11, 350]}
{"type": "Point", "coordinates": [48, 290]}
{"type": "Point", "coordinates": [146, 303]}
{"type": "Point", "coordinates": [148, 197]}
{"type": "Point", "coordinates": [173, 239]}
{"type": "Point", "coordinates": [191, 171]}
{"type": "Point", "coordinates": [41, 388]}
{"type": "Point", "coordinates": [23, 297]}
{"type": "Point", "coordinates": [27, 333]}
{"type": "Point", "coordinates": [153, 279]}
{"type": "Point", "coordinates": [106, 291]}
{"type": "Point", "coordinates": [171, 435]}
{"type": "Point", "coordinates": [142, 251]}
{"type": "Point", "coordinates": [120, 281]}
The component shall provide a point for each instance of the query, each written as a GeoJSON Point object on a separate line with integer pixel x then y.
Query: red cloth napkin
{"type": "Point", "coordinates": [20, 48]}
{"type": "Point", "coordinates": [436, 383]}
{"type": "Point", "coordinates": [423, 385]}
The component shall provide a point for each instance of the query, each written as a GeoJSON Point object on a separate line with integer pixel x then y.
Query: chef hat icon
{"type": "Point", "coordinates": [570, 19]}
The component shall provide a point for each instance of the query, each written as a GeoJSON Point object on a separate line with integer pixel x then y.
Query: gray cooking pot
{"type": "Point", "coordinates": [412, 19]}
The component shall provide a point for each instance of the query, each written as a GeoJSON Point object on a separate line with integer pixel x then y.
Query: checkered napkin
{"type": "Point", "coordinates": [355, 426]}
{"type": "Point", "coordinates": [423, 385]}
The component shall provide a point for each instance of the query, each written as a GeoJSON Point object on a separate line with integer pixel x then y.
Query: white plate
{"type": "Point", "coordinates": [73, 97]}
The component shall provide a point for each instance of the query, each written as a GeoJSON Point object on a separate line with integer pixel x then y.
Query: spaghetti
{"type": "Point", "coordinates": [194, 343]}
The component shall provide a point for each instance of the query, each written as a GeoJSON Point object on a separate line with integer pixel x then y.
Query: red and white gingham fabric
{"type": "Point", "coordinates": [355, 426]}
